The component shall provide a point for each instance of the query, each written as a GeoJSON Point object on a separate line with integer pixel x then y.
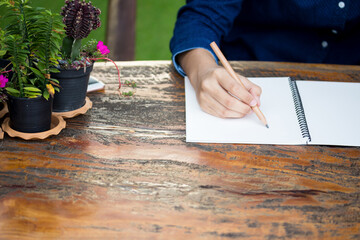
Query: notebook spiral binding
{"type": "Point", "coordinates": [299, 110]}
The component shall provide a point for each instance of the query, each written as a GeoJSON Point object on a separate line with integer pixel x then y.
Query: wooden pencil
{"type": "Point", "coordinates": [232, 73]}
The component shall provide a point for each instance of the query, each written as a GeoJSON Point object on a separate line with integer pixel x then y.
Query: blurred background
{"type": "Point", "coordinates": [154, 24]}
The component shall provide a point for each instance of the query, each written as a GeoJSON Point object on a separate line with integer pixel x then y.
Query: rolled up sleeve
{"type": "Point", "coordinates": [199, 23]}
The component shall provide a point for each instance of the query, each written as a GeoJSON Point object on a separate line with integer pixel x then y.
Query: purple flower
{"type": "Point", "coordinates": [3, 81]}
{"type": "Point", "coordinates": [102, 48]}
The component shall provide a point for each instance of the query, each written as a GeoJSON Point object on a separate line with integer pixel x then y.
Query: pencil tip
{"type": "Point", "coordinates": [267, 126]}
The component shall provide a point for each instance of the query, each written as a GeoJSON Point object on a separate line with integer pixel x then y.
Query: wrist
{"type": "Point", "coordinates": [196, 61]}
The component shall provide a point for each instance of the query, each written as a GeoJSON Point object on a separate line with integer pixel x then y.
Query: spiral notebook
{"type": "Point", "coordinates": [298, 112]}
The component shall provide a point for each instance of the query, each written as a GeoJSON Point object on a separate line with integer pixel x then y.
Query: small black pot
{"type": "Point", "coordinates": [1, 107]}
{"type": "Point", "coordinates": [30, 115]}
{"type": "Point", "coordinates": [73, 88]}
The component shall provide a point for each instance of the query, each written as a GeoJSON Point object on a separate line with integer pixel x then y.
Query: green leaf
{"type": "Point", "coordinates": [32, 89]}
{"type": "Point", "coordinates": [54, 80]}
{"type": "Point", "coordinates": [46, 95]}
{"type": "Point", "coordinates": [12, 91]}
{"type": "Point", "coordinates": [2, 52]}
{"type": "Point", "coordinates": [54, 70]}
{"type": "Point", "coordinates": [37, 72]}
{"type": "Point", "coordinates": [32, 95]}
{"type": "Point", "coordinates": [32, 81]}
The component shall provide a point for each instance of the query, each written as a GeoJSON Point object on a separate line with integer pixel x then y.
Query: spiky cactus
{"type": "Point", "coordinates": [80, 18]}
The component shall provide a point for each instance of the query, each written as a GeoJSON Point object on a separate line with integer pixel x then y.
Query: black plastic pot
{"type": "Point", "coordinates": [73, 88]}
{"type": "Point", "coordinates": [30, 115]}
{"type": "Point", "coordinates": [1, 106]}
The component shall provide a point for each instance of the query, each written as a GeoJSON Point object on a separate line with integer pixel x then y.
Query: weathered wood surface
{"type": "Point", "coordinates": [124, 171]}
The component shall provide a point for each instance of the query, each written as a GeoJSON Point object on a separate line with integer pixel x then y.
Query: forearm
{"type": "Point", "coordinates": [199, 23]}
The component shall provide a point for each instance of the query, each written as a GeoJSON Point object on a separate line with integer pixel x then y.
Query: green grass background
{"type": "Point", "coordinates": [154, 27]}
{"type": "Point", "coordinates": [155, 21]}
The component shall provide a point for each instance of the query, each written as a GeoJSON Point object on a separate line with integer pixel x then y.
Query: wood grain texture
{"type": "Point", "coordinates": [124, 171]}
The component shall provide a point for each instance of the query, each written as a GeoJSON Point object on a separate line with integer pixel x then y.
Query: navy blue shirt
{"type": "Point", "coordinates": [311, 31]}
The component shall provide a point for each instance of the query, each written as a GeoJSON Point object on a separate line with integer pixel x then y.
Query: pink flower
{"type": "Point", "coordinates": [102, 48]}
{"type": "Point", "coordinates": [3, 81]}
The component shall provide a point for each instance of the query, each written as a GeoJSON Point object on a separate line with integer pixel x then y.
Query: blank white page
{"type": "Point", "coordinates": [276, 104]}
{"type": "Point", "coordinates": [332, 111]}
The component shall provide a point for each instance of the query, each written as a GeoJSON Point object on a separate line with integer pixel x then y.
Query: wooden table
{"type": "Point", "coordinates": [124, 171]}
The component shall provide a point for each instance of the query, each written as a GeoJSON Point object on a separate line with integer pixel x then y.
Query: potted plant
{"type": "Point", "coordinates": [32, 41]}
{"type": "Point", "coordinates": [76, 63]}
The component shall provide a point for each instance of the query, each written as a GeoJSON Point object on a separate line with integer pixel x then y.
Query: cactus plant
{"type": "Point", "coordinates": [80, 18]}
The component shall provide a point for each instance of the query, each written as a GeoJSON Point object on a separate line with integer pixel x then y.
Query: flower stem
{"type": "Point", "coordinates": [105, 58]}
{"type": "Point", "coordinates": [6, 72]}
{"type": "Point", "coordinates": [6, 68]}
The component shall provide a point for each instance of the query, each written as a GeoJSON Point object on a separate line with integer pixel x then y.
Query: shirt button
{"type": "Point", "coordinates": [341, 4]}
{"type": "Point", "coordinates": [324, 44]}
{"type": "Point", "coordinates": [334, 31]}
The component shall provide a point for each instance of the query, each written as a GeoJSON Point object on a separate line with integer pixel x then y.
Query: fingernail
{"type": "Point", "coordinates": [257, 100]}
{"type": "Point", "coordinates": [253, 103]}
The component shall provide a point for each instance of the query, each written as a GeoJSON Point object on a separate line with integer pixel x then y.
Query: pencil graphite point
{"type": "Point", "coordinates": [267, 125]}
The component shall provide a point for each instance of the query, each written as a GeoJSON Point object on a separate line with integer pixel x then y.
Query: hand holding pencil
{"type": "Point", "coordinates": [212, 84]}
{"type": "Point", "coordinates": [229, 69]}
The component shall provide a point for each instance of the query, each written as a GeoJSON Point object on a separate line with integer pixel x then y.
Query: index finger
{"type": "Point", "coordinates": [254, 89]}
{"type": "Point", "coordinates": [237, 90]}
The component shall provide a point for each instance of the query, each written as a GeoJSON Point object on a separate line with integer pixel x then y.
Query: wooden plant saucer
{"type": "Point", "coordinates": [76, 112]}
{"type": "Point", "coordinates": [57, 124]}
{"type": "Point", "coordinates": [3, 111]}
